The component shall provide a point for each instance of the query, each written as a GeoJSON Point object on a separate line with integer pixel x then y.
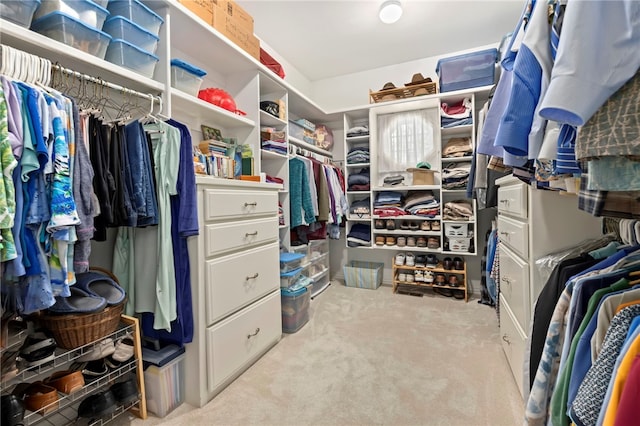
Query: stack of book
{"type": "Point", "coordinates": [216, 160]}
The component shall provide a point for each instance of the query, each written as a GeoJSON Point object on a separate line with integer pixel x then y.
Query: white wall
{"type": "Point", "coordinates": [292, 76]}
{"type": "Point", "coordinates": [352, 90]}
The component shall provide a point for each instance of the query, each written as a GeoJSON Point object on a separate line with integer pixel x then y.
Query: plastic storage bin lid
{"type": "Point", "coordinates": [293, 293]}
{"type": "Point", "coordinates": [162, 356]}
{"type": "Point", "coordinates": [129, 21]}
{"type": "Point", "coordinates": [188, 67]}
{"type": "Point", "coordinates": [45, 22]}
{"type": "Point", "coordinates": [291, 273]}
{"type": "Point", "coordinates": [492, 51]}
{"type": "Point", "coordinates": [139, 4]}
{"type": "Point", "coordinates": [290, 257]}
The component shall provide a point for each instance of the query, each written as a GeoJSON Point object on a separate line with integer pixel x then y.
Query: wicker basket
{"type": "Point", "coordinates": [74, 330]}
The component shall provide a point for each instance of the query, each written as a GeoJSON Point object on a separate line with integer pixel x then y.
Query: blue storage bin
{"type": "Point", "coordinates": [84, 11]}
{"type": "Point", "coordinates": [119, 27]}
{"type": "Point", "coordinates": [295, 309]}
{"type": "Point", "coordinates": [70, 31]}
{"type": "Point", "coordinates": [19, 12]}
{"type": "Point", "coordinates": [125, 54]}
{"type": "Point", "coordinates": [186, 77]}
{"type": "Point", "coordinates": [290, 261]}
{"type": "Point", "coordinates": [467, 71]}
{"type": "Point", "coordinates": [287, 279]}
{"type": "Point", "coordinates": [137, 12]}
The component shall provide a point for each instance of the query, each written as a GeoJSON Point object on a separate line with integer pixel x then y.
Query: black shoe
{"type": "Point", "coordinates": [12, 410]}
{"type": "Point", "coordinates": [458, 263]}
{"type": "Point", "coordinates": [37, 349]}
{"type": "Point", "coordinates": [447, 263]}
{"type": "Point", "coordinates": [125, 392]}
{"type": "Point", "coordinates": [97, 405]}
{"type": "Point", "coordinates": [94, 370]}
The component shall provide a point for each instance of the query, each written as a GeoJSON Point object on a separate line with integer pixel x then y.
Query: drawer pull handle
{"type": "Point", "coordinates": [255, 333]}
{"type": "Point", "coordinates": [251, 234]}
{"type": "Point", "coordinates": [252, 277]}
{"type": "Point", "coordinates": [506, 280]}
{"type": "Point", "coordinates": [254, 204]}
{"type": "Point", "coordinates": [506, 339]}
{"type": "Point", "coordinates": [506, 234]}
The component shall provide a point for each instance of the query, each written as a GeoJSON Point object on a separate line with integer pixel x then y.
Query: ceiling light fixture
{"type": "Point", "coordinates": [390, 11]}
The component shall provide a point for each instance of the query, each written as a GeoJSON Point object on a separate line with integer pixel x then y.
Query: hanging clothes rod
{"type": "Point", "coordinates": [95, 80]}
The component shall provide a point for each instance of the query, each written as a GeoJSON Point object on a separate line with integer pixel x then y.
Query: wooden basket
{"type": "Point", "coordinates": [429, 88]}
{"type": "Point", "coordinates": [74, 330]}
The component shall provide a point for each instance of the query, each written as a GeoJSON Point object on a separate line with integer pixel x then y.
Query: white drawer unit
{"type": "Point", "coordinates": [514, 284]}
{"type": "Point", "coordinates": [514, 234]}
{"type": "Point", "coordinates": [233, 204]}
{"type": "Point", "coordinates": [241, 338]}
{"type": "Point", "coordinates": [513, 341]}
{"type": "Point", "coordinates": [247, 276]}
{"type": "Point", "coordinates": [531, 224]}
{"type": "Point", "coordinates": [235, 282]}
{"type": "Point", "coordinates": [513, 200]}
{"type": "Point", "coordinates": [224, 236]}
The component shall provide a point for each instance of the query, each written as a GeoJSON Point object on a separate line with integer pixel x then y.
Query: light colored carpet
{"type": "Point", "coordinates": [371, 357]}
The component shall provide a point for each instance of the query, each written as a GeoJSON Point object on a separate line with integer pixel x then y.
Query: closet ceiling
{"type": "Point", "coordinates": [328, 38]}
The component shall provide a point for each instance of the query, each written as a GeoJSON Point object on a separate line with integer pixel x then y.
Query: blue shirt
{"type": "Point", "coordinates": [597, 53]}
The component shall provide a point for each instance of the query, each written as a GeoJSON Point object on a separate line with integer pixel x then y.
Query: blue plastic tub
{"type": "Point", "coordinates": [70, 31]}
{"type": "Point", "coordinates": [186, 77]}
{"type": "Point", "coordinates": [466, 71]}
{"type": "Point", "coordinates": [119, 27]}
{"type": "Point", "coordinates": [18, 12]}
{"type": "Point", "coordinates": [125, 54]}
{"type": "Point", "coordinates": [85, 11]}
{"type": "Point", "coordinates": [137, 12]}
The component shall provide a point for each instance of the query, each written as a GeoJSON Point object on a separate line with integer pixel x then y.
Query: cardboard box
{"type": "Point", "coordinates": [241, 16]}
{"type": "Point", "coordinates": [237, 27]}
{"type": "Point", "coordinates": [235, 31]}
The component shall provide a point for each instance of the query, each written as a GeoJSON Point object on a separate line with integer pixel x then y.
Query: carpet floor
{"type": "Point", "coordinates": [371, 357]}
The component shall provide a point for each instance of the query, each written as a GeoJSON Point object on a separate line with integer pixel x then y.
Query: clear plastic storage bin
{"type": "Point", "coordinates": [186, 77]}
{"type": "Point", "coordinates": [68, 30]}
{"type": "Point", "coordinates": [84, 11]}
{"type": "Point", "coordinates": [127, 55]}
{"type": "Point", "coordinates": [138, 13]}
{"type": "Point", "coordinates": [468, 70]}
{"type": "Point", "coordinates": [290, 261]}
{"type": "Point", "coordinates": [287, 279]}
{"type": "Point", "coordinates": [317, 248]}
{"type": "Point", "coordinates": [101, 3]}
{"type": "Point", "coordinates": [19, 12]}
{"type": "Point", "coordinates": [164, 386]}
{"type": "Point", "coordinates": [119, 27]}
{"type": "Point", "coordinates": [295, 309]}
{"type": "Point", "coordinates": [302, 249]}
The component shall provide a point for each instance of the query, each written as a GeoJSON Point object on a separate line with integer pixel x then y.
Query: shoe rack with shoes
{"type": "Point", "coordinates": [99, 380]}
{"type": "Point", "coordinates": [413, 273]}
{"type": "Point", "coordinates": [421, 234]}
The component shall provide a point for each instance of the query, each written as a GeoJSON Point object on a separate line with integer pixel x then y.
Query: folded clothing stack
{"type": "Point", "coordinates": [358, 131]}
{"type": "Point", "coordinates": [360, 181]}
{"type": "Point", "coordinates": [460, 210]}
{"type": "Point", "coordinates": [456, 176]}
{"type": "Point", "coordinates": [359, 235]}
{"type": "Point", "coordinates": [358, 155]}
{"type": "Point", "coordinates": [361, 208]}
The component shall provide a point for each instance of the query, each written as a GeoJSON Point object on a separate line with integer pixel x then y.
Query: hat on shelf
{"type": "Point", "coordinates": [391, 96]}
{"type": "Point", "coordinates": [421, 166]}
{"type": "Point", "coordinates": [418, 78]}
{"type": "Point", "coordinates": [388, 86]}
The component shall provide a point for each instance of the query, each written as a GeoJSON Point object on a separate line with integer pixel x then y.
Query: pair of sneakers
{"type": "Point", "coordinates": [423, 276]}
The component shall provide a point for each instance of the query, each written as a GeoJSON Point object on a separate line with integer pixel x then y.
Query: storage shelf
{"type": "Point", "coordinates": [457, 159]}
{"type": "Point", "coordinates": [451, 191]}
{"type": "Point", "coordinates": [467, 129]}
{"type": "Point", "coordinates": [206, 112]}
{"type": "Point", "coordinates": [358, 219]}
{"type": "Point", "coordinates": [356, 139]}
{"type": "Point", "coordinates": [406, 232]}
{"type": "Point", "coordinates": [458, 221]}
{"type": "Point", "coordinates": [407, 217]}
{"type": "Point", "coordinates": [422, 285]}
{"type": "Point", "coordinates": [438, 268]}
{"type": "Point", "coordinates": [267, 119]}
{"type": "Point", "coordinates": [406, 188]}
{"type": "Point", "coordinates": [356, 165]}
{"type": "Point", "coordinates": [357, 192]}
{"type": "Point", "coordinates": [266, 154]}
{"type": "Point", "coordinates": [460, 253]}
{"type": "Point", "coordinates": [408, 248]}
{"type": "Point", "coordinates": [69, 57]}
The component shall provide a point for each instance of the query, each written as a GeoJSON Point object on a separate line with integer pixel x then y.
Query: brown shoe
{"type": "Point", "coordinates": [421, 242]}
{"type": "Point", "coordinates": [38, 397]}
{"type": "Point", "coordinates": [379, 224]}
{"type": "Point", "coordinates": [440, 279]}
{"type": "Point", "coordinates": [391, 224]}
{"type": "Point", "coordinates": [453, 281]}
{"type": "Point", "coordinates": [411, 241]}
{"type": "Point", "coordinates": [402, 241]}
{"type": "Point", "coordinates": [425, 226]}
{"type": "Point", "coordinates": [433, 243]}
{"type": "Point", "coordinates": [379, 240]}
{"type": "Point", "coordinates": [66, 381]}
{"type": "Point", "coordinates": [435, 226]}
{"type": "Point", "coordinates": [391, 241]}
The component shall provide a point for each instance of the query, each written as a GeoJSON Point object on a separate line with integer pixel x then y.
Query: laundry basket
{"type": "Point", "coordinates": [363, 274]}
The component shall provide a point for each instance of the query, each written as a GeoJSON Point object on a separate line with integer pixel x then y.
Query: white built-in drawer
{"type": "Point", "coordinates": [222, 237]}
{"type": "Point", "coordinates": [234, 204]}
{"type": "Point", "coordinates": [512, 199]}
{"type": "Point", "coordinates": [241, 338]}
{"type": "Point", "coordinates": [236, 280]}
{"type": "Point", "coordinates": [513, 340]}
{"type": "Point", "coordinates": [514, 233]}
{"type": "Point", "coordinates": [514, 285]}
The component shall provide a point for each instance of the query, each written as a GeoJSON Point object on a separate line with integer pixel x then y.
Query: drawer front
{"type": "Point", "coordinates": [512, 199]}
{"type": "Point", "coordinates": [513, 343]}
{"type": "Point", "coordinates": [222, 237]}
{"type": "Point", "coordinates": [515, 234]}
{"type": "Point", "coordinates": [236, 280]}
{"type": "Point", "coordinates": [235, 341]}
{"type": "Point", "coordinates": [225, 203]}
{"type": "Point", "coordinates": [514, 285]}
